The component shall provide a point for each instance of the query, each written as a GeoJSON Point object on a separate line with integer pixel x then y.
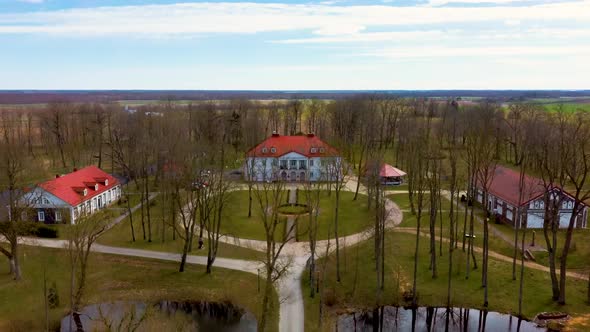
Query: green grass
{"type": "Point", "coordinates": [568, 107]}
{"type": "Point", "coordinates": [357, 289]}
{"type": "Point", "coordinates": [117, 278]}
{"type": "Point", "coordinates": [354, 216]}
{"type": "Point", "coordinates": [120, 236]}
{"type": "Point", "coordinates": [403, 201]}
{"type": "Point", "coordinates": [236, 222]}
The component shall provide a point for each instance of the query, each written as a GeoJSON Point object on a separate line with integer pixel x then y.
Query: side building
{"type": "Point", "coordinates": [67, 197]}
{"type": "Point", "coordinates": [506, 202]}
{"type": "Point", "coordinates": [293, 159]}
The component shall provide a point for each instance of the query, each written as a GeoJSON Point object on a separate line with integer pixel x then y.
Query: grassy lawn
{"type": "Point", "coordinates": [116, 278]}
{"type": "Point", "coordinates": [403, 201]}
{"type": "Point", "coordinates": [354, 216]}
{"type": "Point", "coordinates": [577, 259]}
{"type": "Point", "coordinates": [357, 289]}
{"type": "Point", "coordinates": [496, 243]}
{"type": "Point", "coordinates": [568, 107]}
{"type": "Point", "coordinates": [120, 236]}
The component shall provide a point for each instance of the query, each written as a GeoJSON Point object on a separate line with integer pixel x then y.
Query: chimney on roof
{"type": "Point", "coordinates": [310, 135]}
{"type": "Point", "coordinates": [75, 169]}
{"type": "Point", "coordinates": [57, 176]}
{"type": "Point", "coordinates": [275, 134]}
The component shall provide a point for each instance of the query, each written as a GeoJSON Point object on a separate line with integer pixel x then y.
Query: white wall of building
{"type": "Point", "coordinates": [292, 167]}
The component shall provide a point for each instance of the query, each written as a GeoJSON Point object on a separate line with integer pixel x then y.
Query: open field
{"type": "Point", "coordinates": [357, 290]}
{"type": "Point", "coordinates": [116, 278]}
{"type": "Point", "coordinates": [354, 216]}
{"type": "Point", "coordinates": [162, 237]}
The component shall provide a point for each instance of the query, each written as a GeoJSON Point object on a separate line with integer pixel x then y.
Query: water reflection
{"type": "Point", "coordinates": [432, 319]}
{"type": "Point", "coordinates": [162, 316]}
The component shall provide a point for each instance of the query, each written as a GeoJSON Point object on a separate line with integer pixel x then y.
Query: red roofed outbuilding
{"type": "Point", "coordinates": [294, 159]}
{"type": "Point", "coordinates": [69, 196]}
{"type": "Point", "coordinates": [505, 200]}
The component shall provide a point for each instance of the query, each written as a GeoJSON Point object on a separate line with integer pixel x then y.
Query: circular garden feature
{"type": "Point", "coordinates": [293, 209]}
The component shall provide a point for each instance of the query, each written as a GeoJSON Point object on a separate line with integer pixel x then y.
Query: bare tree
{"type": "Point", "coordinates": [269, 196]}
{"type": "Point", "coordinates": [81, 236]}
{"type": "Point", "coordinates": [13, 168]}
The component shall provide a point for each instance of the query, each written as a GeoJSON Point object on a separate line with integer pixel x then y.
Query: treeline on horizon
{"type": "Point", "coordinates": [101, 96]}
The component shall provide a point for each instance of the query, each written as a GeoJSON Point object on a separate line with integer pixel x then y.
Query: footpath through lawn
{"type": "Point", "coordinates": [357, 290]}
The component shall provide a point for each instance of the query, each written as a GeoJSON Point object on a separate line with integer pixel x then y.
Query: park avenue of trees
{"type": "Point", "coordinates": [445, 147]}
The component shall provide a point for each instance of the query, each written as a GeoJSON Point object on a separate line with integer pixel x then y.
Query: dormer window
{"type": "Point", "coordinates": [314, 150]}
{"type": "Point", "coordinates": [96, 187]}
{"type": "Point", "coordinates": [85, 192]}
{"type": "Point", "coordinates": [273, 150]}
{"type": "Point", "coordinates": [264, 150]}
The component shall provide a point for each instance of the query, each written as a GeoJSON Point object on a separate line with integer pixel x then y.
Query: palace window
{"type": "Point", "coordinates": [302, 164]}
{"type": "Point", "coordinates": [293, 164]}
{"type": "Point", "coordinates": [311, 163]}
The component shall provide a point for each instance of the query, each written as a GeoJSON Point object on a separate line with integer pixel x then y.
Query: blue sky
{"type": "Point", "coordinates": [295, 45]}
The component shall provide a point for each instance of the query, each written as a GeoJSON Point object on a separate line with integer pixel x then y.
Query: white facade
{"type": "Point", "coordinates": [47, 207]}
{"type": "Point", "coordinates": [535, 211]}
{"type": "Point", "coordinates": [293, 167]}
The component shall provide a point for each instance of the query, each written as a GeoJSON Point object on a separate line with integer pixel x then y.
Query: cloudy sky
{"type": "Point", "coordinates": [295, 45]}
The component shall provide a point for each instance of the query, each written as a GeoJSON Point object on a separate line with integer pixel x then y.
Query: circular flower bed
{"type": "Point", "coordinates": [293, 209]}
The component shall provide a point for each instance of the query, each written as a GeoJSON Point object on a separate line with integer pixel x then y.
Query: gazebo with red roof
{"type": "Point", "coordinates": [391, 175]}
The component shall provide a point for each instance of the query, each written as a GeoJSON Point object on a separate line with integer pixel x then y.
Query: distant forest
{"type": "Point", "coordinates": [83, 96]}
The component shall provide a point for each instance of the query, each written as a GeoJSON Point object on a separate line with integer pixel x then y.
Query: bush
{"type": "Point", "coordinates": [330, 297]}
{"type": "Point", "coordinates": [45, 231]}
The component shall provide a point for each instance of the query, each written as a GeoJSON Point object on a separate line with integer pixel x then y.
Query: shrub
{"type": "Point", "coordinates": [45, 231]}
{"type": "Point", "coordinates": [329, 297]}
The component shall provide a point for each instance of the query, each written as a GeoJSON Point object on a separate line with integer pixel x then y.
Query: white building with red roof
{"type": "Point", "coordinates": [67, 197]}
{"type": "Point", "coordinates": [293, 159]}
{"type": "Point", "coordinates": [504, 199]}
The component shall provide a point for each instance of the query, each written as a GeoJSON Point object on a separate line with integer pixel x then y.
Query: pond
{"type": "Point", "coordinates": [432, 319]}
{"type": "Point", "coordinates": [162, 316]}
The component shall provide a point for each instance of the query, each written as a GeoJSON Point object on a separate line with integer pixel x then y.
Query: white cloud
{"type": "Point", "coordinates": [199, 18]}
{"type": "Point", "coordinates": [483, 51]}
{"type": "Point", "coordinates": [479, 2]}
{"type": "Point", "coordinates": [32, 1]}
{"type": "Point", "coordinates": [394, 36]}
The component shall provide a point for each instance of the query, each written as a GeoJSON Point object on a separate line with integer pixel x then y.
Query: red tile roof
{"type": "Point", "coordinates": [505, 184]}
{"type": "Point", "coordinates": [300, 144]}
{"type": "Point", "coordinates": [70, 187]}
{"type": "Point", "coordinates": [390, 171]}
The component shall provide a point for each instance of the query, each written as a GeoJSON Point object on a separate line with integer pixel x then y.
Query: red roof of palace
{"type": "Point", "coordinates": [505, 184]}
{"type": "Point", "coordinates": [285, 144]}
{"type": "Point", "coordinates": [390, 171]}
{"type": "Point", "coordinates": [70, 187]}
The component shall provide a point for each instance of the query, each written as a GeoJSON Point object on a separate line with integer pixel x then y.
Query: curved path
{"type": "Point", "coordinates": [291, 318]}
